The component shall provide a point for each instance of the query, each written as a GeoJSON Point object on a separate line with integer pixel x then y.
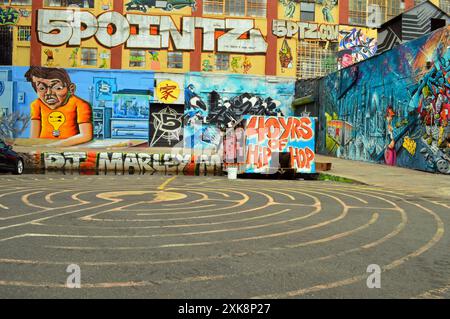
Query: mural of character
{"type": "Point", "coordinates": [289, 7]}
{"type": "Point", "coordinates": [50, 58]}
{"type": "Point", "coordinates": [390, 153]}
{"type": "Point", "coordinates": [345, 58]}
{"type": "Point", "coordinates": [286, 57]}
{"type": "Point", "coordinates": [247, 65]}
{"type": "Point", "coordinates": [236, 64]}
{"type": "Point", "coordinates": [58, 114]}
{"type": "Point", "coordinates": [195, 108]}
{"type": "Point", "coordinates": [207, 66]}
{"type": "Point", "coordinates": [328, 6]}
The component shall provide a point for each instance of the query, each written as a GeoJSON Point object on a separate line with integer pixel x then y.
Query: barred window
{"type": "Point", "coordinates": [222, 62]}
{"type": "Point", "coordinates": [70, 3]}
{"type": "Point", "coordinates": [24, 33]}
{"type": "Point", "coordinates": [89, 56]}
{"type": "Point", "coordinates": [359, 10]}
{"type": "Point", "coordinates": [445, 5]}
{"type": "Point", "coordinates": [175, 60]}
{"type": "Point", "coordinates": [316, 59]}
{"type": "Point", "coordinates": [240, 8]}
{"type": "Point", "coordinates": [137, 58]}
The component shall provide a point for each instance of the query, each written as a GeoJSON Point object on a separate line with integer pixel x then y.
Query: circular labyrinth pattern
{"type": "Point", "coordinates": [188, 237]}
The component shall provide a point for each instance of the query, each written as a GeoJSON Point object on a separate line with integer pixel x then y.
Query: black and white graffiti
{"type": "Point", "coordinates": [227, 113]}
{"type": "Point", "coordinates": [166, 125]}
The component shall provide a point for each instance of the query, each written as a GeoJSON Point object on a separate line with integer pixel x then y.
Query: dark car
{"type": "Point", "coordinates": [10, 160]}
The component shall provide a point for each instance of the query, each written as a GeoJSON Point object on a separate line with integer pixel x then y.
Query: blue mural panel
{"type": "Point", "coordinates": [392, 109]}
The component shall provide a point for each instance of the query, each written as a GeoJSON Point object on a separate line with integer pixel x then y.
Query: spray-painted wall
{"type": "Point", "coordinates": [98, 108]}
{"type": "Point", "coordinates": [393, 108]}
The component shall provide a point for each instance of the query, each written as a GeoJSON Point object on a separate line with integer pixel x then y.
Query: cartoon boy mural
{"type": "Point", "coordinates": [57, 113]}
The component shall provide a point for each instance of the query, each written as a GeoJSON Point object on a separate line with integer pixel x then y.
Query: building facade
{"type": "Point", "coordinates": [321, 29]}
{"type": "Point", "coordinates": [150, 70]}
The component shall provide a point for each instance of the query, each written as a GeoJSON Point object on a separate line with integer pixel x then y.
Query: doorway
{"type": "Point", "coordinates": [6, 39]}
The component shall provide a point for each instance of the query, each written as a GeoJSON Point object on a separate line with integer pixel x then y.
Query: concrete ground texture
{"type": "Point", "coordinates": [157, 236]}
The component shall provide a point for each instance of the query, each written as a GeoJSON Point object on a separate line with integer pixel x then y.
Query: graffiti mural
{"type": "Point", "coordinates": [9, 16]}
{"type": "Point", "coordinates": [215, 103]}
{"type": "Point", "coordinates": [168, 5]}
{"type": "Point", "coordinates": [355, 46]}
{"type": "Point", "coordinates": [392, 109]}
{"type": "Point", "coordinates": [269, 135]}
{"type": "Point", "coordinates": [119, 163]}
{"type": "Point", "coordinates": [58, 113]}
{"type": "Point", "coordinates": [92, 107]}
{"type": "Point", "coordinates": [53, 30]}
{"type": "Point", "coordinates": [166, 126]}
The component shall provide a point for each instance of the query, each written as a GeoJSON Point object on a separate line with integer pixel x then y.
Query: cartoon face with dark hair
{"type": "Point", "coordinates": [53, 92]}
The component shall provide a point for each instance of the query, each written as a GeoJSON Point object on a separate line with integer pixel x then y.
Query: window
{"type": "Point", "coordinates": [89, 56]}
{"type": "Point", "coordinates": [20, 2]}
{"type": "Point", "coordinates": [70, 3]}
{"type": "Point", "coordinates": [307, 11]}
{"type": "Point", "coordinates": [222, 62]}
{"type": "Point", "coordinates": [175, 60]}
{"type": "Point", "coordinates": [137, 58]}
{"type": "Point", "coordinates": [385, 10]}
{"type": "Point", "coordinates": [315, 59]}
{"type": "Point", "coordinates": [239, 8]}
{"type": "Point", "coordinates": [24, 33]}
{"type": "Point", "coordinates": [445, 5]}
{"type": "Point", "coordinates": [357, 12]}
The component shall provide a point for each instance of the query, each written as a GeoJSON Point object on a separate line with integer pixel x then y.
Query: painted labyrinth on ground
{"type": "Point", "coordinates": [205, 237]}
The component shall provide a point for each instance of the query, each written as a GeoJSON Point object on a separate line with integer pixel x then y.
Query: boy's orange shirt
{"type": "Point", "coordinates": [64, 119]}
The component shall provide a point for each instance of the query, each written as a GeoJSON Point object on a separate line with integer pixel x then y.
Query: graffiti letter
{"type": "Point", "coordinates": [230, 41]}
{"type": "Point", "coordinates": [107, 163]}
{"type": "Point", "coordinates": [144, 39]}
{"type": "Point", "coordinates": [73, 160]}
{"type": "Point", "coordinates": [185, 41]}
{"type": "Point", "coordinates": [83, 19]}
{"type": "Point", "coordinates": [209, 27]}
{"type": "Point", "coordinates": [55, 26]}
{"type": "Point", "coordinates": [54, 161]}
{"type": "Point", "coordinates": [292, 29]}
{"type": "Point", "coordinates": [120, 33]}
{"type": "Point", "coordinates": [279, 28]}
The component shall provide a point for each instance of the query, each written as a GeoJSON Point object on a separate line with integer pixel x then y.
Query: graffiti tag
{"type": "Point", "coordinates": [8, 16]}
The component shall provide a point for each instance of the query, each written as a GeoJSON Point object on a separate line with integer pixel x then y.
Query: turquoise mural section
{"type": "Point", "coordinates": [393, 108]}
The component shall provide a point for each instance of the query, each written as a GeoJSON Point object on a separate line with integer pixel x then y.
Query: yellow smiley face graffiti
{"type": "Point", "coordinates": [56, 119]}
